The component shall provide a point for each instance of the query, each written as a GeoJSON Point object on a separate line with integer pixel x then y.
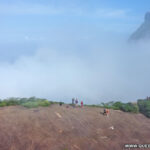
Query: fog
{"type": "Point", "coordinates": [110, 69]}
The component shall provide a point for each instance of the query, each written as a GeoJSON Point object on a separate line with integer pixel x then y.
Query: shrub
{"type": "Point", "coordinates": [93, 105]}
{"type": "Point", "coordinates": [44, 103]}
{"type": "Point", "coordinates": [130, 107]}
{"type": "Point", "coordinates": [23, 100]}
{"type": "Point", "coordinates": [11, 102]}
{"type": "Point", "coordinates": [117, 105]}
{"type": "Point", "coordinates": [144, 107]}
{"type": "Point", "coordinates": [108, 105]}
{"type": "Point", "coordinates": [34, 104]}
{"type": "Point", "coordinates": [2, 104]}
{"type": "Point", "coordinates": [30, 104]}
{"type": "Point", "coordinates": [126, 107]}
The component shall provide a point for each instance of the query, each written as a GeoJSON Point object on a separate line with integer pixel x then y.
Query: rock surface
{"type": "Point", "coordinates": [61, 128]}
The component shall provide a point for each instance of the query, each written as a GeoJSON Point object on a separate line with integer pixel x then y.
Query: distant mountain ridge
{"type": "Point", "coordinates": [143, 32]}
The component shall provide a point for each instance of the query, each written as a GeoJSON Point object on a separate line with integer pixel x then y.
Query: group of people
{"type": "Point", "coordinates": [75, 102]}
{"type": "Point", "coordinates": [106, 112]}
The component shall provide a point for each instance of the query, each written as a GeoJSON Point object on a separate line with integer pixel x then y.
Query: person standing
{"type": "Point", "coordinates": [73, 102]}
{"type": "Point", "coordinates": [81, 104]}
{"type": "Point", "coordinates": [104, 113]}
{"type": "Point", "coordinates": [76, 102]}
{"type": "Point", "coordinates": [107, 112]}
{"type": "Point", "coordinates": [60, 103]}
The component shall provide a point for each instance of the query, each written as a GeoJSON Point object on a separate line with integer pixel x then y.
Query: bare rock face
{"type": "Point", "coordinates": [143, 32]}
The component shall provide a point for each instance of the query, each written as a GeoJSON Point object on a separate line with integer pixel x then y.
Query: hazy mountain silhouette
{"type": "Point", "coordinates": [143, 32]}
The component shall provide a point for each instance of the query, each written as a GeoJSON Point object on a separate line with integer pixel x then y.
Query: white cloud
{"type": "Point", "coordinates": [109, 72]}
{"type": "Point", "coordinates": [34, 38]}
{"type": "Point", "coordinates": [40, 9]}
{"type": "Point", "coordinates": [31, 9]}
{"type": "Point", "coordinates": [110, 13]}
{"type": "Point", "coordinates": [117, 13]}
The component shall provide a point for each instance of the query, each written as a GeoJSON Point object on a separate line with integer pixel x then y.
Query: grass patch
{"type": "Point", "coordinates": [126, 107]}
{"type": "Point", "coordinates": [144, 107]}
{"type": "Point", "coordinates": [31, 102]}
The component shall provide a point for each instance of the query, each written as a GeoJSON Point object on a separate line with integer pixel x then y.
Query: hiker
{"type": "Point", "coordinates": [107, 112]}
{"type": "Point", "coordinates": [73, 101]}
{"type": "Point", "coordinates": [81, 103]}
{"type": "Point", "coordinates": [104, 113]}
{"type": "Point", "coordinates": [76, 102]}
{"type": "Point", "coordinates": [67, 106]}
{"type": "Point", "coordinates": [60, 103]}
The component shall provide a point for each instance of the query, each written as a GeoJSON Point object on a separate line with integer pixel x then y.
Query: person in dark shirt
{"type": "Point", "coordinates": [73, 102]}
{"type": "Point", "coordinates": [76, 102]}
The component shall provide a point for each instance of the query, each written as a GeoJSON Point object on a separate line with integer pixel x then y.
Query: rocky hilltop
{"type": "Point", "coordinates": [67, 128]}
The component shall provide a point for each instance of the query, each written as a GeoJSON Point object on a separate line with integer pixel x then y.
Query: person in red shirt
{"type": "Point", "coordinates": [107, 112]}
{"type": "Point", "coordinates": [81, 103]}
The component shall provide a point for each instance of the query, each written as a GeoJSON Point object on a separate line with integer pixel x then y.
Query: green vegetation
{"type": "Point", "coordinates": [93, 105]}
{"type": "Point", "coordinates": [126, 107]}
{"type": "Point", "coordinates": [31, 102]}
{"type": "Point", "coordinates": [130, 107]}
{"type": "Point", "coordinates": [144, 107]}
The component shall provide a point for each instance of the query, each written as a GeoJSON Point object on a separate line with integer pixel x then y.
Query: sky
{"type": "Point", "coordinates": [59, 49]}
